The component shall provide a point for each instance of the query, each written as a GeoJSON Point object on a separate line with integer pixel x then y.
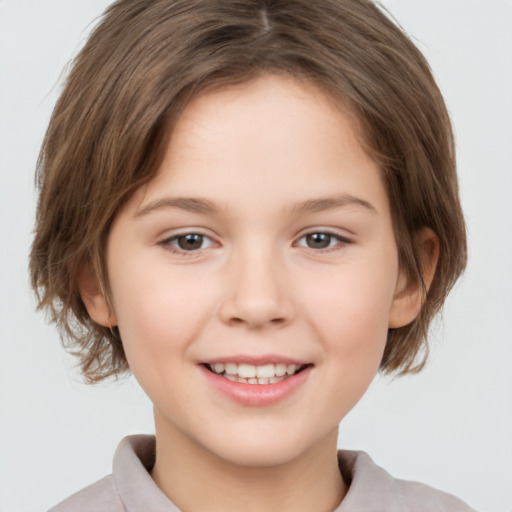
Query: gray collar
{"type": "Point", "coordinates": [371, 488]}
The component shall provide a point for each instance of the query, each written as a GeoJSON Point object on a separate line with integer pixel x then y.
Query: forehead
{"type": "Point", "coordinates": [275, 138]}
{"type": "Point", "coordinates": [271, 111]}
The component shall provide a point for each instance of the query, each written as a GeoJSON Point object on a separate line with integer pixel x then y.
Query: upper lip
{"type": "Point", "coordinates": [256, 360]}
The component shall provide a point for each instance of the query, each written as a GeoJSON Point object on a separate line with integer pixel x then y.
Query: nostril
{"type": "Point", "coordinates": [256, 322]}
{"type": "Point", "coordinates": [254, 312]}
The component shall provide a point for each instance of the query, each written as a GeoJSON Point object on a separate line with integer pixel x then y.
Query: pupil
{"type": "Point", "coordinates": [190, 242]}
{"type": "Point", "coordinates": [318, 240]}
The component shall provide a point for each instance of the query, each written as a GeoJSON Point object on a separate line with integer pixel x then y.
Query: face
{"type": "Point", "coordinates": [255, 278]}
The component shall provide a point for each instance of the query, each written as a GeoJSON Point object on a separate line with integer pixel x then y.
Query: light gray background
{"type": "Point", "coordinates": [450, 426]}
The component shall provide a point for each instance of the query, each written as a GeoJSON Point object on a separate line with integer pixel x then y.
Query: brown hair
{"type": "Point", "coordinates": [140, 67]}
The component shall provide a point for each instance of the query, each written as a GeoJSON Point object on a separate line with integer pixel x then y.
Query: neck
{"type": "Point", "coordinates": [194, 478]}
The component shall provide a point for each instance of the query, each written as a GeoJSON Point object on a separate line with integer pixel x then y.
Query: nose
{"type": "Point", "coordinates": [257, 294]}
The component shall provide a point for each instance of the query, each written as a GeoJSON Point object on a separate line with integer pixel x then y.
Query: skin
{"type": "Point", "coordinates": [256, 286]}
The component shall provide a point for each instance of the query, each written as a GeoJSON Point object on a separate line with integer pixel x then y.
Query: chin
{"type": "Point", "coordinates": [264, 449]}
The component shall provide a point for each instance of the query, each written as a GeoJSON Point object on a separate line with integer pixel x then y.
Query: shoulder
{"type": "Point", "coordinates": [374, 490]}
{"type": "Point", "coordinates": [101, 496]}
{"type": "Point", "coordinates": [420, 497]}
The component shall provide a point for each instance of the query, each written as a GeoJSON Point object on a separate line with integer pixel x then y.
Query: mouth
{"type": "Point", "coordinates": [256, 374]}
{"type": "Point", "coordinates": [256, 381]}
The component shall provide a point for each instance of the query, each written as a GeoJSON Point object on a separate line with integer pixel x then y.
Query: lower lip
{"type": "Point", "coordinates": [257, 394]}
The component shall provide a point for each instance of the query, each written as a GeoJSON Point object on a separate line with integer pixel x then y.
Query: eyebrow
{"type": "Point", "coordinates": [329, 203]}
{"type": "Point", "coordinates": [189, 204]}
{"type": "Point", "coordinates": [205, 206]}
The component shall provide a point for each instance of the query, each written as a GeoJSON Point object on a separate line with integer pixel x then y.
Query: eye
{"type": "Point", "coordinates": [322, 240]}
{"type": "Point", "coordinates": [187, 242]}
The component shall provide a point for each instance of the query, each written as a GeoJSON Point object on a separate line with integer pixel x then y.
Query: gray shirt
{"type": "Point", "coordinates": [130, 487]}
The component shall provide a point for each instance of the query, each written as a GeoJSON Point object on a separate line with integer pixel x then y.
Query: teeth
{"type": "Point", "coordinates": [231, 368]}
{"type": "Point", "coordinates": [265, 372]}
{"type": "Point", "coordinates": [251, 374]}
{"type": "Point", "coordinates": [218, 368]}
{"type": "Point", "coordinates": [280, 370]}
{"type": "Point", "coordinates": [247, 371]}
{"type": "Point", "coordinates": [290, 369]}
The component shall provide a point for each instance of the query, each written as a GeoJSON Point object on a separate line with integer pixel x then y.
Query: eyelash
{"type": "Point", "coordinates": [341, 241]}
{"type": "Point", "coordinates": [168, 242]}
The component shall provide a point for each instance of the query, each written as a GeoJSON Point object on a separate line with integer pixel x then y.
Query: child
{"type": "Point", "coordinates": [253, 207]}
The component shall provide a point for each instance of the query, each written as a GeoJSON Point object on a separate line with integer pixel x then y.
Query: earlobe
{"type": "Point", "coordinates": [93, 297]}
{"type": "Point", "coordinates": [410, 295]}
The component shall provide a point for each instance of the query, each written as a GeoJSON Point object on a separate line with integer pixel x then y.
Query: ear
{"type": "Point", "coordinates": [409, 296]}
{"type": "Point", "coordinates": [92, 295]}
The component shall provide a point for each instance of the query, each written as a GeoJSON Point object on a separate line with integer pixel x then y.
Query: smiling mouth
{"type": "Point", "coordinates": [252, 374]}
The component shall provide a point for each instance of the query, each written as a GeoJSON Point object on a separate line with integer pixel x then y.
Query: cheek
{"type": "Point", "coordinates": [351, 323]}
{"type": "Point", "coordinates": [159, 312]}
{"type": "Point", "coordinates": [350, 310]}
